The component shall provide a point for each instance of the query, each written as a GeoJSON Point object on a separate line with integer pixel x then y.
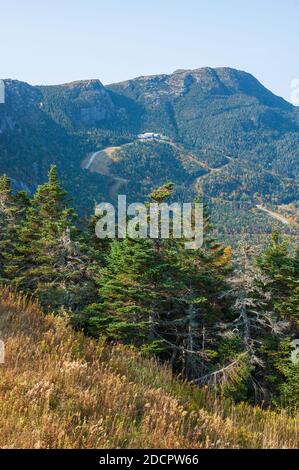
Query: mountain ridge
{"type": "Point", "coordinates": [220, 74]}
{"type": "Point", "coordinates": [88, 81]}
{"type": "Point", "coordinates": [212, 114]}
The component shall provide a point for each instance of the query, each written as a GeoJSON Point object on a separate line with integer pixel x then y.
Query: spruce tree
{"type": "Point", "coordinates": [48, 262]}
{"type": "Point", "coordinates": [157, 294]}
{"type": "Point", "coordinates": [12, 207]}
{"type": "Point", "coordinates": [125, 310]}
{"type": "Point", "coordinates": [193, 323]}
{"type": "Point", "coordinates": [135, 291]}
{"type": "Point", "coordinates": [281, 265]}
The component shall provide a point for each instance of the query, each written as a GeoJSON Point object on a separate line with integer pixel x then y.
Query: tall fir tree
{"type": "Point", "coordinates": [48, 263]}
{"type": "Point", "coordinates": [281, 265]}
{"type": "Point", "coordinates": [200, 305]}
{"type": "Point", "coordinates": [155, 294]}
{"type": "Point", "coordinates": [12, 209]}
{"type": "Point", "coordinates": [125, 310]}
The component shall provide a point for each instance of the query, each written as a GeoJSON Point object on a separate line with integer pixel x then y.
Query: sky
{"type": "Point", "coordinates": [58, 41]}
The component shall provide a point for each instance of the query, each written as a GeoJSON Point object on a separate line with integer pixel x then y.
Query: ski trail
{"type": "Point", "coordinates": [91, 160]}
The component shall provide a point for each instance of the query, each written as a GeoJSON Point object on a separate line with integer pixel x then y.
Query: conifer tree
{"type": "Point", "coordinates": [135, 291]}
{"type": "Point", "coordinates": [48, 263]}
{"type": "Point", "coordinates": [156, 294]}
{"type": "Point", "coordinates": [281, 266]}
{"type": "Point", "coordinates": [200, 305]}
{"type": "Point", "coordinates": [126, 293]}
{"type": "Point", "coordinates": [12, 207]}
{"type": "Point", "coordinates": [7, 216]}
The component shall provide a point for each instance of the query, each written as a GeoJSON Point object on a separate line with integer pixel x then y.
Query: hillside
{"type": "Point", "coordinates": [60, 389]}
{"type": "Point", "coordinates": [227, 137]}
{"type": "Point", "coordinates": [217, 113]}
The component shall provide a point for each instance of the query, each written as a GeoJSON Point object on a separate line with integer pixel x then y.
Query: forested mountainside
{"type": "Point", "coordinates": [223, 319]}
{"type": "Point", "coordinates": [218, 132]}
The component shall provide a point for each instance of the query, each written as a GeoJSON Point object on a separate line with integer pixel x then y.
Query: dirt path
{"type": "Point", "coordinates": [274, 215]}
{"type": "Point", "coordinates": [99, 162]}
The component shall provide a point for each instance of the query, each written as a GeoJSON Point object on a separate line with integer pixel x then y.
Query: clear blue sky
{"type": "Point", "coordinates": [56, 41]}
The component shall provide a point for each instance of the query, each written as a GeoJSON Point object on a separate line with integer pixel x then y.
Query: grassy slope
{"type": "Point", "coordinates": [59, 389]}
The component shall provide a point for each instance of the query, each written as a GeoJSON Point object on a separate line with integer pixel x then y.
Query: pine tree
{"type": "Point", "coordinates": [159, 296]}
{"type": "Point", "coordinates": [48, 263]}
{"type": "Point", "coordinates": [281, 266]}
{"type": "Point", "coordinates": [126, 307]}
{"type": "Point", "coordinates": [253, 318]}
{"type": "Point", "coordinates": [200, 305]}
{"type": "Point", "coordinates": [12, 207]}
{"type": "Point", "coordinates": [134, 291]}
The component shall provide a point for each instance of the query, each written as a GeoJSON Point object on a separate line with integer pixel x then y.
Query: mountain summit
{"type": "Point", "coordinates": [225, 135]}
{"type": "Point", "coordinates": [217, 81]}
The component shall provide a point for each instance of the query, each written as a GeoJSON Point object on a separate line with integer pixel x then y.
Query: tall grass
{"type": "Point", "coordinates": [60, 389]}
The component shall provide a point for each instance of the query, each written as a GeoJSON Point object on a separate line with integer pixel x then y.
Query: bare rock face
{"type": "Point", "coordinates": [80, 104]}
{"type": "Point", "coordinates": [90, 102]}
{"type": "Point", "coordinates": [99, 108]}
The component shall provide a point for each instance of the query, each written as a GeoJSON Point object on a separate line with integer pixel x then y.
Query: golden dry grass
{"type": "Point", "coordinates": [59, 389]}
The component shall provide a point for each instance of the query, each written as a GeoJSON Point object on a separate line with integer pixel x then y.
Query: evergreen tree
{"type": "Point", "coordinates": [191, 324]}
{"type": "Point", "coordinates": [254, 320]}
{"type": "Point", "coordinates": [281, 266]}
{"type": "Point", "coordinates": [12, 209]}
{"type": "Point", "coordinates": [125, 312]}
{"type": "Point", "coordinates": [48, 263]}
{"type": "Point", "coordinates": [155, 293]}
{"type": "Point", "coordinates": [135, 289]}
{"type": "Point", "coordinates": [260, 325]}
